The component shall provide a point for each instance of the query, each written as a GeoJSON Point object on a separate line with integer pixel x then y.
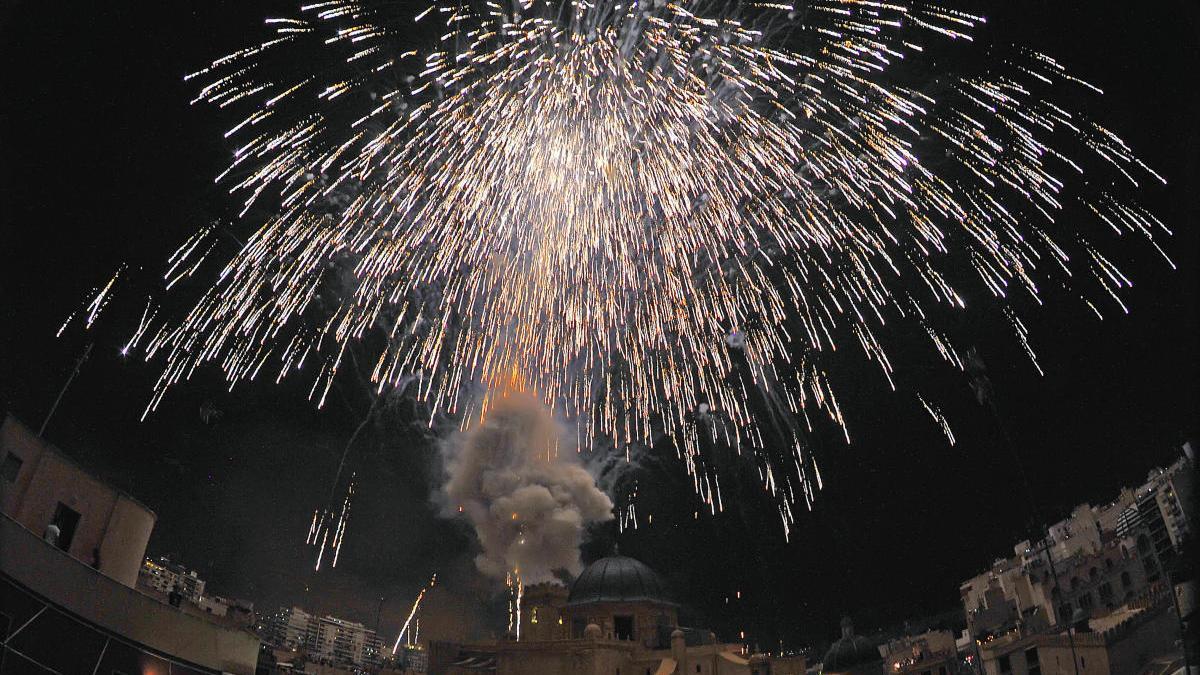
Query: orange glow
{"type": "Point", "coordinates": [502, 387]}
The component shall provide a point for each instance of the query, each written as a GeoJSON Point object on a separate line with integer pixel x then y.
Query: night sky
{"type": "Point", "coordinates": [103, 161]}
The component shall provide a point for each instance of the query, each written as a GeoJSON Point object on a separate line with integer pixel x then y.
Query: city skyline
{"type": "Point", "coordinates": [235, 477]}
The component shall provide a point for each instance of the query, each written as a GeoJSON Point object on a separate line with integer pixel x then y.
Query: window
{"type": "Point", "coordinates": [697, 667]}
{"type": "Point", "coordinates": [1093, 574]}
{"type": "Point", "coordinates": [1074, 583]}
{"type": "Point", "coordinates": [1085, 601]}
{"type": "Point", "coordinates": [1106, 592]}
{"type": "Point", "coordinates": [1032, 665]}
{"type": "Point", "coordinates": [1108, 563]}
{"type": "Point", "coordinates": [10, 468]}
{"type": "Point", "coordinates": [66, 519]}
{"type": "Point", "coordinates": [623, 627]}
{"type": "Point", "coordinates": [1143, 544]}
{"type": "Point", "coordinates": [1005, 664]}
{"type": "Point", "coordinates": [941, 670]}
{"type": "Point", "coordinates": [1151, 566]}
{"type": "Point", "coordinates": [1126, 582]}
{"type": "Point", "coordinates": [1064, 611]}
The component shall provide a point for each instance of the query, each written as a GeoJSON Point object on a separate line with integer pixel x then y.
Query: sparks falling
{"type": "Point", "coordinates": [649, 210]}
{"type": "Point", "coordinates": [516, 593]}
{"type": "Point", "coordinates": [328, 529]}
{"type": "Point", "coordinates": [413, 612]}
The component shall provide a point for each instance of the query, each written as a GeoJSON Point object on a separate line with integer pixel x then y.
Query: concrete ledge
{"type": "Point", "coordinates": [114, 607]}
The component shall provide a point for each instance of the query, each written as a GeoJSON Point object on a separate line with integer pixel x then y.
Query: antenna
{"type": "Point", "coordinates": [78, 364]}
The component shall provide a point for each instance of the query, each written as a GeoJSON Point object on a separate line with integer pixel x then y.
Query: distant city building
{"type": "Point", "coordinates": [232, 609]}
{"type": "Point", "coordinates": [287, 628]}
{"type": "Point", "coordinates": [930, 653]}
{"type": "Point", "coordinates": [324, 639]}
{"type": "Point", "coordinates": [414, 659]}
{"type": "Point", "coordinates": [1160, 508]}
{"type": "Point", "coordinates": [165, 576]}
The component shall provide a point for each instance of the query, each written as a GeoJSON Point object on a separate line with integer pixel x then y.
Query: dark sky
{"type": "Point", "coordinates": [103, 161]}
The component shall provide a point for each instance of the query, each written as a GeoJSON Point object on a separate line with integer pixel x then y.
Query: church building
{"type": "Point", "coordinates": [615, 619]}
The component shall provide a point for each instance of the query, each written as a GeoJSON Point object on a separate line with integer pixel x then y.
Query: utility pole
{"type": "Point", "coordinates": [71, 378]}
{"type": "Point", "coordinates": [1187, 661]}
{"type": "Point", "coordinates": [985, 393]}
{"type": "Point", "coordinates": [378, 611]}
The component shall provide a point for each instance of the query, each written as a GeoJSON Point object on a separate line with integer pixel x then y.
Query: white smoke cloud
{"type": "Point", "coordinates": [518, 479]}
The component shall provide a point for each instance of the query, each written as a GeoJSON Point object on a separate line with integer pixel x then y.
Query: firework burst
{"type": "Point", "coordinates": [649, 210]}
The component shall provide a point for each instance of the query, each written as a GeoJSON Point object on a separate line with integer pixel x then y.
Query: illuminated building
{"type": "Point", "coordinates": [1159, 513]}
{"type": "Point", "coordinates": [616, 617]}
{"type": "Point", "coordinates": [287, 628]}
{"type": "Point", "coordinates": [165, 576]}
{"type": "Point", "coordinates": [933, 652]}
{"type": "Point", "coordinates": [323, 639]}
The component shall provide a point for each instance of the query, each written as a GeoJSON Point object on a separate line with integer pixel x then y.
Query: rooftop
{"type": "Point", "coordinates": [618, 579]}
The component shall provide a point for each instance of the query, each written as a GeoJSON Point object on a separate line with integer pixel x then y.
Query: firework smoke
{"type": "Point", "coordinates": [517, 479]}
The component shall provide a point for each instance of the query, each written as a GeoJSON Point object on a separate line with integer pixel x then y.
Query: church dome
{"type": "Point", "coordinates": [849, 652]}
{"type": "Point", "coordinates": [618, 579]}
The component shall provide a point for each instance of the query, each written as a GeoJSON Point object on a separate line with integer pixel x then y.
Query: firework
{"type": "Point", "coordinates": [516, 592]}
{"type": "Point", "coordinates": [655, 212]}
{"type": "Point", "coordinates": [413, 612]}
{"type": "Point", "coordinates": [327, 529]}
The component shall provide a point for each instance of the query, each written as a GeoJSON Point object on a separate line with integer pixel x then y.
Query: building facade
{"type": "Point", "coordinates": [1116, 648]}
{"type": "Point", "coordinates": [1091, 563]}
{"type": "Point", "coordinates": [323, 639]}
{"type": "Point", "coordinates": [69, 601]}
{"type": "Point", "coordinates": [52, 496]}
{"type": "Point", "coordinates": [933, 652]}
{"type": "Point", "coordinates": [167, 577]}
{"type": "Point", "coordinates": [616, 617]}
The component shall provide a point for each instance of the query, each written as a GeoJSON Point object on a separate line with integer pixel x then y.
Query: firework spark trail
{"type": "Point", "coordinates": [413, 612]}
{"type": "Point", "coordinates": [516, 592]}
{"type": "Point", "coordinates": [627, 203]}
{"type": "Point", "coordinates": [92, 309]}
{"type": "Point", "coordinates": [324, 524]}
